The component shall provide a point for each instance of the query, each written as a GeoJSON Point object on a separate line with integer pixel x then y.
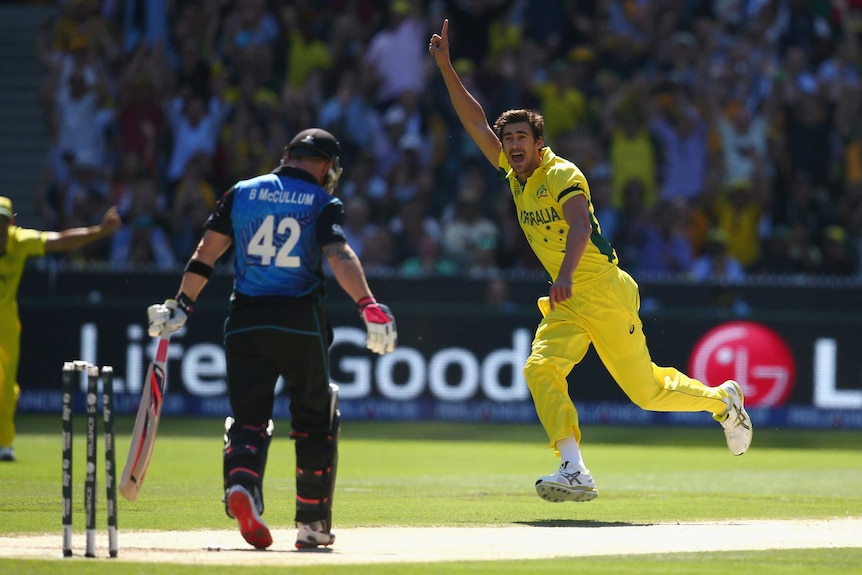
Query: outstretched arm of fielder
{"type": "Point", "coordinates": [74, 238]}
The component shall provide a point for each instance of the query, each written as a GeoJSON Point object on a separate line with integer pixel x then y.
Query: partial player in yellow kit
{"type": "Point", "coordinates": [17, 245]}
{"type": "Point", "coordinates": [590, 301]}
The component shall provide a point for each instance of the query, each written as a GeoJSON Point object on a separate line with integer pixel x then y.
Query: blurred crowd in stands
{"type": "Point", "coordinates": [720, 138]}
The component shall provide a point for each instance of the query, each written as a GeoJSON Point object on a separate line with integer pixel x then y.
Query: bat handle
{"type": "Point", "coordinates": [162, 349]}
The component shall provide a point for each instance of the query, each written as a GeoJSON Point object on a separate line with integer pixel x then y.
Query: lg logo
{"type": "Point", "coordinates": [753, 355]}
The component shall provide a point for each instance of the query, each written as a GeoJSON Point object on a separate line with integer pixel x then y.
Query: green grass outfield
{"type": "Point", "coordinates": [445, 474]}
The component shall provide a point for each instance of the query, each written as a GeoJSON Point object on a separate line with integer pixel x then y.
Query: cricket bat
{"type": "Point", "coordinates": [146, 423]}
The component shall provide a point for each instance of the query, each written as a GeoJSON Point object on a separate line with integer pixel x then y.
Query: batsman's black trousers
{"type": "Point", "coordinates": [270, 336]}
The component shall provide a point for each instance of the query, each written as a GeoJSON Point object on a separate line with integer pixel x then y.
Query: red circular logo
{"type": "Point", "coordinates": [753, 355]}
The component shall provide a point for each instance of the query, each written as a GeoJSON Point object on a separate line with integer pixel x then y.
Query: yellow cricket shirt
{"type": "Point", "coordinates": [22, 244]}
{"type": "Point", "coordinates": [539, 205]}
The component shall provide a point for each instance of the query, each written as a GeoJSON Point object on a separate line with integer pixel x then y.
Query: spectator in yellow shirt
{"type": "Point", "coordinates": [563, 104]}
{"type": "Point", "coordinates": [738, 212]}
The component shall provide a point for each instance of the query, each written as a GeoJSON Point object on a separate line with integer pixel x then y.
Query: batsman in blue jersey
{"type": "Point", "coordinates": [282, 225]}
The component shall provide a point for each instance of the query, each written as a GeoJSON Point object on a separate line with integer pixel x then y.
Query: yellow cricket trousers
{"type": "Point", "coordinates": [10, 346]}
{"type": "Point", "coordinates": [604, 312]}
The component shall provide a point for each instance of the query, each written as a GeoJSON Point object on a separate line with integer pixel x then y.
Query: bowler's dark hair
{"type": "Point", "coordinates": [532, 117]}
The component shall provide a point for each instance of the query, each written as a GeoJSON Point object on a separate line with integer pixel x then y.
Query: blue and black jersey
{"type": "Point", "coordinates": [278, 223]}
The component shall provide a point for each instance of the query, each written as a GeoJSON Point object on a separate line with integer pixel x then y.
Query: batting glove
{"type": "Point", "coordinates": [168, 317]}
{"type": "Point", "coordinates": [382, 337]}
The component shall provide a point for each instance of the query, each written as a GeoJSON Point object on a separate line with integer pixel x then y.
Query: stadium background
{"type": "Point", "coordinates": [464, 323]}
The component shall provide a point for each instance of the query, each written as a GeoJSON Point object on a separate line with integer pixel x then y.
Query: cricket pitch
{"type": "Point", "coordinates": [369, 545]}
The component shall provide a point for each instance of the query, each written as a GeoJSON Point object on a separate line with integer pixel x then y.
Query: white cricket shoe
{"type": "Point", "coordinates": [314, 534]}
{"type": "Point", "coordinates": [735, 421]}
{"type": "Point", "coordinates": [7, 454]}
{"type": "Point", "coordinates": [242, 507]}
{"type": "Point", "coordinates": [567, 484]}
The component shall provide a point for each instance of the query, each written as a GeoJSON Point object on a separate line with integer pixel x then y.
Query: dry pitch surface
{"type": "Point", "coordinates": [409, 544]}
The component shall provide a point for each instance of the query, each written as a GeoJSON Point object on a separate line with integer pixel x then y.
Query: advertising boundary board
{"type": "Point", "coordinates": [470, 373]}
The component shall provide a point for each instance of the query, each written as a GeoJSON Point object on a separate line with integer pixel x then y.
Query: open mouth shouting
{"type": "Point", "coordinates": [517, 158]}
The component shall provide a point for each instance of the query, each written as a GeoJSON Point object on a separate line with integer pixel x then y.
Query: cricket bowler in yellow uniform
{"type": "Point", "coordinates": [591, 300]}
{"type": "Point", "coordinates": [16, 246]}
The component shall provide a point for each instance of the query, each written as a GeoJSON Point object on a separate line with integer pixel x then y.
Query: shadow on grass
{"type": "Point", "coordinates": [580, 523]}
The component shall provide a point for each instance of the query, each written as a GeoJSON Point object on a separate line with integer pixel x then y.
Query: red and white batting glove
{"type": "Point", "coordinates": [381, 337]}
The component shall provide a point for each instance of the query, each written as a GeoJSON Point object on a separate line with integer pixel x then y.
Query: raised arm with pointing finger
{"type": "Point", "coordinates": [469, 110]}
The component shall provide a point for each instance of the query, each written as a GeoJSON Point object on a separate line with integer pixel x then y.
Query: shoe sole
{"type": "Point", "coordinates": [253, 530]}
{"type": "Point", "coordinates": [557, 493]}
